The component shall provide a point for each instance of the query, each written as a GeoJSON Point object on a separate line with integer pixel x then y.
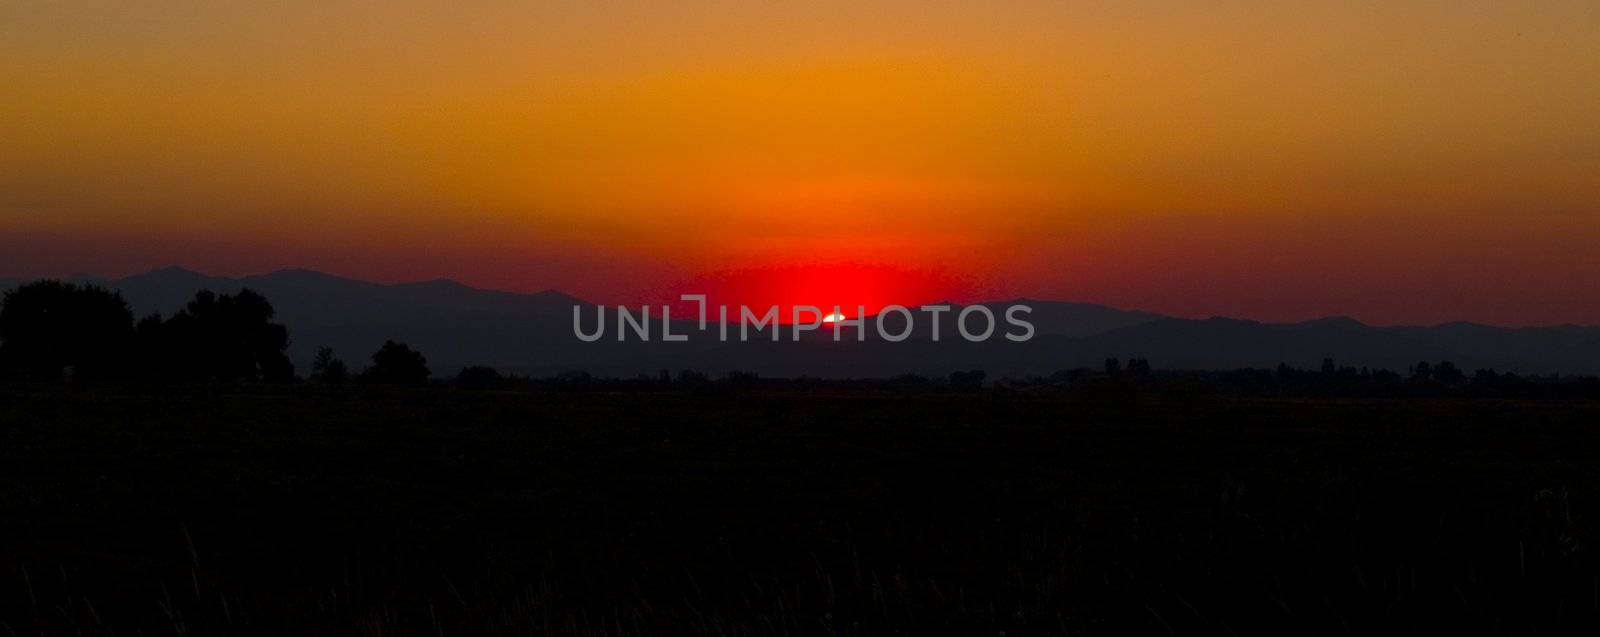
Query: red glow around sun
{"type": "Point", "coordinates": [856, 289]}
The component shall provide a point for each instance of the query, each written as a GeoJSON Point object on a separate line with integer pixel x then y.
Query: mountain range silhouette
{"type": "Point", "coordinates": [456, 325]}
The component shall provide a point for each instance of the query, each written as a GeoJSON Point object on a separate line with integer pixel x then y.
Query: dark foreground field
{"type": "Point", "coordinates": [365, 511]}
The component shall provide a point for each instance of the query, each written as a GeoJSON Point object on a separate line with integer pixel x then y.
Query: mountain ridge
{"type": "Point", "coordinates": [458, 325]}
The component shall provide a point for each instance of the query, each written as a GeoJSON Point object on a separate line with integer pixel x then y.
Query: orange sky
{"type": "Point", "coordinates": [1395, 161]}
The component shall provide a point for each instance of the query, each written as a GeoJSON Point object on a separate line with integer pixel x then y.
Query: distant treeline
{"type": "Point", "coordinates": [50, 330]}
{"type": "Point", "coordinates": [53, 330]}
{"type": "Point", "coordinates": [1423, 380]}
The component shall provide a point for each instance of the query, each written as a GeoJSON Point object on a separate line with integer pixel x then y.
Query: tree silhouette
{"type": "Point", "coordinates": [221, 338]}
{"type": "Point", "coordinates": [1446, 372]}
{"type": "Point", "coordinates": [397, 364]}
{"type": "Point", "coordinates": [1113, 367]}
{"type": "Point", "coordinates": [1423, 372]}
{"type": "Point", "coordinates": [277, 369]}
{"type": "Point", "coordinates": [738, 380]}
{"type": "Point", "coordinates": [1138, 367]}
{"type": "Point", "coordinates": [691, 379]}
{"type": "Point", "coordinates": [328, 369]}
{"type": "Point", "coordinates": [47, 327]}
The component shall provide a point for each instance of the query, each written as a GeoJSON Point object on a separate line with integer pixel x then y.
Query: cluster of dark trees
{"type": "Point", "coordinates": [393, 364]}
{"type": "Point", "coordinates": [52, 330]}
{"type": "Point", "coordinates": [1137, 368]}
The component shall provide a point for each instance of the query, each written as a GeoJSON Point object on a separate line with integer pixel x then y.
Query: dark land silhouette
{"type": "Point", "coordinates": [176, 471]}
{"type": "Point", "coordinates": [51, 330]}
{"type": "Point", "coordinates": [531, 334]}
{"type": "Point", "coordinates": [366, 509]}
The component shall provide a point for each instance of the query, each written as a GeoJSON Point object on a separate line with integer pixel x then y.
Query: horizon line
{"type": "Point", "coordinates": [98, 278]}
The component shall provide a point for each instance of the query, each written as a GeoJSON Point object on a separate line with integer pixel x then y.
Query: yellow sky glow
{"type": "Point", "coordinates": [1249, 158]}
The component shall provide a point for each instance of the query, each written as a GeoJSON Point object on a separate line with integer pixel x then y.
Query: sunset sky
{"type": "Point", "coordinates": [1399, 162]}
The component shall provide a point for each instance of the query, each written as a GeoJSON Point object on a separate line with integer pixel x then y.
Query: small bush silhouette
{"type": "Point", "coordinates": [397, 364]}
{"type": "Point", "coordinates": [328, 369]}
